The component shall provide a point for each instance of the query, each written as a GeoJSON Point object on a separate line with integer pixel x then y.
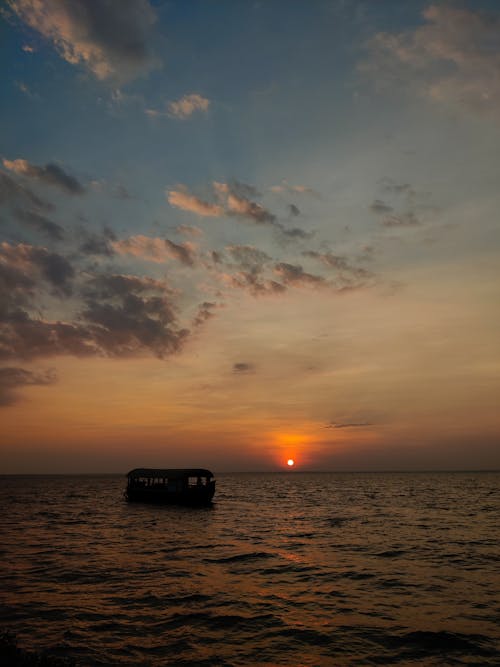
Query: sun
{"type": "Point", "coordinates": [290, 462]}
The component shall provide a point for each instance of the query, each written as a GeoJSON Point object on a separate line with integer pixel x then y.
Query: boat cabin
{"type": "Point", "coordinates": [187, 486]}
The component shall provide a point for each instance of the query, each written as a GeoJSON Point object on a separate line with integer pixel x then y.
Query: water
{"type": "Point", "coordinates": [285, 569]}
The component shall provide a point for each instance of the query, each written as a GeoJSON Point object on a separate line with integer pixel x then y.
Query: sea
{"type": "Point", "coordinates": [297, 569]}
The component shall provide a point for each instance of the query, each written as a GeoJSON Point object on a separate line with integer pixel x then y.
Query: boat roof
{"type": "Point", "coordinates": [171, 473]}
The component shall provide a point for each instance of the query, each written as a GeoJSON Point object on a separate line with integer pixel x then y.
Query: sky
{"type": "Point", "coordinates": [238, 232]}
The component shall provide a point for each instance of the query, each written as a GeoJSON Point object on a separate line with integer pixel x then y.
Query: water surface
{"type": "Point", "coordinates": [284, 569]}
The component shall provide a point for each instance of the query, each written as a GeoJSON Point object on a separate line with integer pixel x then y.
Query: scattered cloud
{"type": "Point", "coordinates": [187, 105]}
{"type": "Point", "coordinates": [453, 58]}
{"type": "Point", "coordinates": [51, 174]}
{"type": "Point", "coordinates": [237, 202]}
{"type": "Point", "coordinates": [294, 274]}
{"type": "Point", "coordinates": [155, 249]}
{"type": "Point", "coordinates": [248, 257]}
{"type": "Point", "coordinates": [13, 377]}
{"type": "Point", "coordinates": [181, 198]}
{"type": "Point", "coordinates": [109, 39]}
{"type": "Point", "coordinates": [347, 275]}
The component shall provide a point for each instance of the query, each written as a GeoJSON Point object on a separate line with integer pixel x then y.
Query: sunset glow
{"type": "Point", "coordinates": [290, 462]}
{"type": "Point", "coordinates": [231, 252]}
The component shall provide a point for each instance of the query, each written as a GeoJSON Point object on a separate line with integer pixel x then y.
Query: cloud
{"type": "Point", "coordinates": [347, 275]}
{"type": "Point", "coordinates": [252, 282]}
{"type": "Point", "coordinates": [249, 210]}
{"type": "Point", "coordinates": [237, 202]}
{"type": "Point", "coordinates": [12, 378]}
{"type": "Point", "coordinates": [248, 257]}
{"type": "Point", "coordinates": [452, 59]}
{"type": "Point", "coordinates": [187, 105]}
{"type": "Point", "coordinates": [108, 38]}
{"type": "Point", "coordinates": [347, 424]}
{"type": "Point", "coordinates": [155, 249]}
{"type": "Point", "coordinates": [233, 200]}
{"type": "Point", "coordinates": [98, 244]}
{"type": "Point", "coordinates": [293, 234]}
{"type": "Point", "coordinates": [205, 312]}
{"type": "Point", "coordinates": [293, 189]}
{"type": "Point", "coordinates": [294, 274]}
{"type": "Point", "coordinates": [51, 174]}
{"type": "Point", "coordinates": [408, 219]}
{"type": "Point", "coordinates": [40, 223]}
{"type": "Point", "coordinates": [32, 262]}
{"type": "Point", "coordinates": [242, 367]}
{"type": "Point", "coordinates": [12, 192]}
{"type": "Point", "coordinates": [182, 199]}
{"type": "Point", "coordinates": [380, 208]}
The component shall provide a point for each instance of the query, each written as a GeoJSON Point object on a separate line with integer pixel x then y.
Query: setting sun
{"type": "Point", "coordinates": [290, 462]}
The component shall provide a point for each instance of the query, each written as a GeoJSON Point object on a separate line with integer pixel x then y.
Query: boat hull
{"type": "Point", "coordinates": [192, 496]}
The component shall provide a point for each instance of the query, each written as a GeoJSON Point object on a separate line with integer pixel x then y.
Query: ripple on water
{"type": "Point", "coordinates": [396, 573]}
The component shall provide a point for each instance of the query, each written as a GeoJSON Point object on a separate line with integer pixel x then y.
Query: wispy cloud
{"type": "Point", "coordinates": [453, 58]}
{"type": "Point", "coordinates": [182, 199]}
{"type": "Point", "coordinates": [13, 193]}
{"type": "Point", "coordinates": [51, 174]}
{"type": "Point", "coordinates": [242, 367]}
{"type": "Point", "coordinates": [40, 223]}
{"type": "Point", "coordinates": [348, 424]}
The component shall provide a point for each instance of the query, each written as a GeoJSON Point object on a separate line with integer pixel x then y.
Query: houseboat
{"type": "Point", "coordinates": [181, 486]}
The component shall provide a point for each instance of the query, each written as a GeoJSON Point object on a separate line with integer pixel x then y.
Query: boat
{"type": "Point", "coordinates": [180, 486]}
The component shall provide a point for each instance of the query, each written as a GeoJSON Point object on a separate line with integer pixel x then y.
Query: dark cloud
{"type": "Point", "coordinates": [380, 208]}
{"type": "Point", "coordinates": [109, 38]}
{"type": "Point", "coordinates": [253, 283]}
{"type": "Point", "coordinates": [40, 223]}
{"type": "Point", "coordinates": [52, 174]}
{"type": "Point", "coordinates": [294, 274]}
{"type": "Point", "coordinates": [181, 251]}
{"type": "Point", "coordinates": [348, 424]}
{"type": "Point", "coordinates": [12, 378]}
{"type": "Point", "coordinates": [248, 257]}
{"type": "Point", "coordinates": [388, 185]}
{"type": "Point", "coordinates": [293, 234]}
{"type": "Point", "coordinates": [205, 312]}
{"type": "Point", "coordinates": [13, 193]}
{"type": "Point", "coordinates": [242, 367]}
{"type": "Point", "coordinates": [110, 285]}
{"type": "Point", "coordinates": [119, 314]}
{"type": "Point", "coordinates": [35, 261]}
{"type": "Point", "coordinates": [97, 243]}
